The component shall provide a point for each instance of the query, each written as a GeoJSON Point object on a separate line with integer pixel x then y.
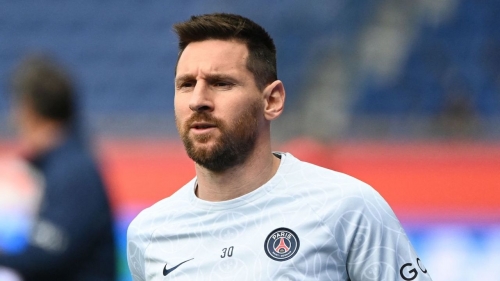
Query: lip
{"type": "Point", "coordinates": [201, 127]}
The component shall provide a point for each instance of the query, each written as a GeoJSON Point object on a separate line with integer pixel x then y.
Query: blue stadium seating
{"type": "Point", "coordinates": [453, 60]}
{"type": "Point", "coordinates": [123, 54]}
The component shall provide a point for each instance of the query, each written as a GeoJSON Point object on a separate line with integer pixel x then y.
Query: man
{"type": "Point", "coordinates": [251, 214]}
{"type": "Point", "coordinates": [72, 236]}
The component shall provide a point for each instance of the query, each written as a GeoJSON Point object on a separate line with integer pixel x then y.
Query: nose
{"type": "Point", "coordinates": [201, 98]}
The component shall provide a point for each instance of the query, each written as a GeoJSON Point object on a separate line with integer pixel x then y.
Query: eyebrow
{"type": "Point", "coordinates": [219, 77]}
{"type": "Point", "coordinates": [184, 78]}
{"type": "Point", "coordinates": [209, 77]}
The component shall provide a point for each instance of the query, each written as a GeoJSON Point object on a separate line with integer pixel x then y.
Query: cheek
{"type": "Point", "coordinates": [250, 109]}
{"type": "Point", "coordinates": [177, 104]}
{"type": "Point", "coordinates": [179, 120]}
{"type": "Point", "coordinates": [180, 109]}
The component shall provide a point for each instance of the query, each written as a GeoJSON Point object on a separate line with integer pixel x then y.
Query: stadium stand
{"type": "Point", "coordinates": [123, 56]}
{"type": "Point", "coordinates": [450, 71]}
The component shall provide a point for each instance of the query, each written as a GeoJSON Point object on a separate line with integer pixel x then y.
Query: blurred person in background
{"type": "Point", "coordinates": [72, 233]}
{"type": "Point", "coordinates": [251, 213]}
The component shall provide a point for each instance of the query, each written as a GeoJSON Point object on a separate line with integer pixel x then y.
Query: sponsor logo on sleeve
{"type": "Point", "coordinates": [409, 271]}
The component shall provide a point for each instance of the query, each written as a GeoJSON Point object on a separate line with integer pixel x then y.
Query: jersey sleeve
{"type": "Point", "coordinates": [372, 241]}
{"type": "Point", "coordinates": [135, 251]}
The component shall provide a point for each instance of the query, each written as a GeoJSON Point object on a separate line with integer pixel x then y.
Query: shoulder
{"type": "Point", "coordinates": [148, 220]}
{"type": "Point", "coordinates": [332, 192]}
{"type": "Point", "coordinates": [69, 171]}
{"type": "Point", "coordinates": [313, 178]}
{"type": "Point", "coordinates": [71, 158]}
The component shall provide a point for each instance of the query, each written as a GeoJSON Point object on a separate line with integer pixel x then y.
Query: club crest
{"type": "Point", "coordinates": [281, 244]}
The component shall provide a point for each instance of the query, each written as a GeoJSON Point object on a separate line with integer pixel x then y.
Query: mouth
{"type": "Point", "coordinates": [202, 126]}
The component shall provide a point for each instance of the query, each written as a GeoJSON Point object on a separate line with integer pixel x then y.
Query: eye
{"type": "Point", "coordinates": [224, 85]}
{"type": "Point", "coordinates": [186, 85]}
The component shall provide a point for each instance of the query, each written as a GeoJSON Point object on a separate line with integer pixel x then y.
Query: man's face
{"type": "Point", "coordinates": [218, 107]}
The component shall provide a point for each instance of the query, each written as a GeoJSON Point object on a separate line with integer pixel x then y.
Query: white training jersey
{"type": "Point", "coordinates": [305, 223]}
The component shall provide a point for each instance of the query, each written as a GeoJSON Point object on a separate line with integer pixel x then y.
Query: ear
{"type": "Point", "coordinates": [274, 100]}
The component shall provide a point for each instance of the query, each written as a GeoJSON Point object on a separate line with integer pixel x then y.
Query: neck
{"type": "Point", "coordinates": [237, 181]}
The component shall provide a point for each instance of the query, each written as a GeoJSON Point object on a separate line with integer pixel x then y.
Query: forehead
{"type": "Point", "coordinates": [213, 56]}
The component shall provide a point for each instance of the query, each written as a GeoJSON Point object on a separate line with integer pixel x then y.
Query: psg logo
{"type": "Point", "coordinates": [281, 244]}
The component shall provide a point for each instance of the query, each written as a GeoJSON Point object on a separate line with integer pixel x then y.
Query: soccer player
{"type": "Point", "coordinates": [72, 236]}
{"type": "Point", "coordinates": [251, 213]}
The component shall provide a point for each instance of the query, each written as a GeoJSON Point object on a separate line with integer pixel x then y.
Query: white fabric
{"type": "Point", "coordinates": [7, 274]}
{"type": "Point", "coordinates": [345, 229]}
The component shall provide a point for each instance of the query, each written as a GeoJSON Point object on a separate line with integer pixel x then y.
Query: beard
{"type": "Point", "coordinates": [232, 147]}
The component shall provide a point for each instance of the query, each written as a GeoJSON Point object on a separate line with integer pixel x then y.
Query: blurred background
{"type": "Point", "coordinates": [404, 95]}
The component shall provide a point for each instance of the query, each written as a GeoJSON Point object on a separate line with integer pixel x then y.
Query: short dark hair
{"type": "Point", "coordinates": [262, 51]}
{"type": "Point", "coordinates": [45, 86]}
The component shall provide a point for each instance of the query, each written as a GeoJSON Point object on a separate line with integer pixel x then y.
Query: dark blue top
{"type": "Point", "coordinates": [72, 237]}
